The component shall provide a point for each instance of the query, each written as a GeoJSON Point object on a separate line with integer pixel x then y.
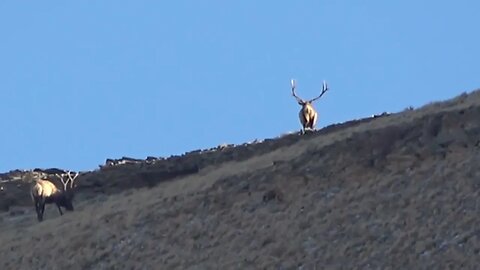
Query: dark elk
{"type": "Point", "coordinates": [45, 192]}
{"type": "Point", "coordinates": [308, 115]}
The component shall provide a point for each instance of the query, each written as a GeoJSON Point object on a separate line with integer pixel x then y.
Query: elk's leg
{"type": "Point", "coordinates": [303, 121]}
{"type": "Point", "coordinates": [37, 209]}
{"type": "Point", "coordinates": [35, 204]}
{"type": "Point", "coordinates": [59, 210]}
{"type": "Point", "coordinates": [313, 121]}
{"type": "Point", "coordinates": [41, 209]}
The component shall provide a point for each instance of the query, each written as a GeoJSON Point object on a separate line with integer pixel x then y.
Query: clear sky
{"type": "Point", "coordinates": [82, 81]}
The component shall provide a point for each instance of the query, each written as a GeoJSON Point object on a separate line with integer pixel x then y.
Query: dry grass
{"type": "Point", "coordinates": [396, 192]}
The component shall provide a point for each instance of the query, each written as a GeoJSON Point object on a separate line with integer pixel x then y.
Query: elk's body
{"type": "Point", "coordinates": [45, 192]}
{"type": "Point", "coordinates": [308, 115]}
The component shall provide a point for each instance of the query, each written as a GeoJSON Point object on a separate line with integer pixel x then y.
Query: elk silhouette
{"type": "Point", "coordinates": [308, 115]}
{"type": "Point", "coordinates": [45, 192]}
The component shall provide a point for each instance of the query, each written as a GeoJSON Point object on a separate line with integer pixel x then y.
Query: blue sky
{"type": "Point", "coordinates": [82, 81]}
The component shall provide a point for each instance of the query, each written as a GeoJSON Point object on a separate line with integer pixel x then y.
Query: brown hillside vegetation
{"type": "Point", "coordinates": [399, 191]}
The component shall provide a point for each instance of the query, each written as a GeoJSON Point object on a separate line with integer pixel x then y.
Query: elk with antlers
{"type": "Point", "coordinates": [308, 115]}
{"type": "Point", "coordinates": [45, 192]}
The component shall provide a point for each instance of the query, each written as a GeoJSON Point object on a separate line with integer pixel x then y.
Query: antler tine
{"type": "Point", "coordinates": [65, 183]}
{"type": "Point", "coordinates": [299, 100]}
{"type": "Point", "coordinates": [72, 179]}
{"type": "Point", "coordinates": [324, 90]}
{"type": "Point", "coordinates": [69, 174]}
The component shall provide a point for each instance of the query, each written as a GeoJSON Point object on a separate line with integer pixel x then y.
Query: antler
{"type": "Point", "coordinates": [61, 177]}
{"type": "Point", "coordinates": [70, 179]}
{"type": "Point", "coordinates": [299, 100]}
{"type": "Point", "coordinates": [324, 90]}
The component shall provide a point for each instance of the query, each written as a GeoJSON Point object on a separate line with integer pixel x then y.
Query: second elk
{"type": "Point", "coordinates": [308, 115]}
{"type": "Point", "coordinates": [45, 192]}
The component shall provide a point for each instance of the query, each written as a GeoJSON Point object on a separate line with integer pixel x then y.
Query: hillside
{"type": "Point", "coordinates": [389, 192]}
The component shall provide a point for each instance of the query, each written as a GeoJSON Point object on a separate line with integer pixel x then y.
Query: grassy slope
{"type": "Point", "coordinates": [397, 191]}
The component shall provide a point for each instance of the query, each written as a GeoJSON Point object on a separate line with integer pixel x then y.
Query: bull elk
{"type": "Point", "coordinates": [45, 192]}
{"type": "Point", "coordinates": [308, 115]}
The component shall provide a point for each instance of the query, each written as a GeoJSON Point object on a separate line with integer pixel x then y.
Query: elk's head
{"type": "Point", "coordinates": [68, 182]}
{"type": "Point", "coordinates": [303, 102]}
